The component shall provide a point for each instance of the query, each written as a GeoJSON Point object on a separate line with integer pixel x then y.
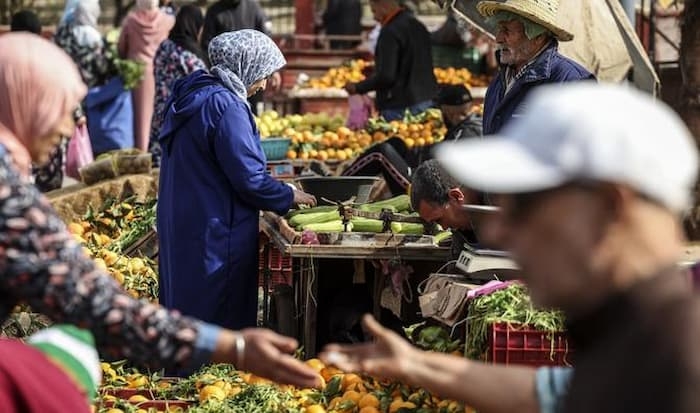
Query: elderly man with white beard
{"type": "Point", "coordinates": [527, 38]}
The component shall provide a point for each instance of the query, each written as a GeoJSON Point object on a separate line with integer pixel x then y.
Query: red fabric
{"type": "Point", "coordinates": [30, 383]}
{"type": "Point", "coordinates": [391, 16]}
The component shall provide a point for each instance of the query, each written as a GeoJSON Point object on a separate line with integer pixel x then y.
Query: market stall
{"type": "Point", "coordinates": [336, 246]}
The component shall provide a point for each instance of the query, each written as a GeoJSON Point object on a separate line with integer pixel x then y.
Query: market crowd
{"type": "Point", "coordinates": [593, 232]}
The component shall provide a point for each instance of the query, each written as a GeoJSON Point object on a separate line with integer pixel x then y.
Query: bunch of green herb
{"type": "Point", "coordinates": [253, 399]}
{"type": "Point", "coordinates": [131, 71]}
{"type": "Point", "coordinates": [511, 305]}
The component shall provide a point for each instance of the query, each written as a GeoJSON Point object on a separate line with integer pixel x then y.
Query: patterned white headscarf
{"type": "Point", "coordinates": [243, 57]}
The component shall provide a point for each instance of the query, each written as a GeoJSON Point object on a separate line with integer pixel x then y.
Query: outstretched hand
{"type": "Point", "coordinates": [388, 356]}
{"type": "Point", "coordinates": [270, 355]}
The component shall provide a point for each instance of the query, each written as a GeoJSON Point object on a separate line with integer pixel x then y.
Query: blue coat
{"type": "Point", "coordinates": [213, 184]}
{"type": "Point", "coordinates": [548, 67]}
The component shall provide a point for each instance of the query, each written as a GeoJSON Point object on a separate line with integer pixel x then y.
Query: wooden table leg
{"type": "Point", "coordinates": [379, 281]}
{"type": "Point", "coordinates": [306, 293]}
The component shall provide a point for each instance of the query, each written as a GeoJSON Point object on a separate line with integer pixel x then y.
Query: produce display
{"type": "Point", "coordinates": [324, 219]}
{"type": "Point", "coordinates": [511, 305]}
{"type": "Point", "coordinates": [322, 137]}
{"type": "Point", "coordinates": [221, 388]}
{"type": "Point", "coordinates": [459, 76]}
{"type": "Point", "coordinates": [353, 72]}
{"type": "Point", "coordinates": [106, 233]}
{"type": "Point", "coordinates": [337, 77]}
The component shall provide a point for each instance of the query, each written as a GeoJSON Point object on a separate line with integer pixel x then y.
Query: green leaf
{"type": "Point", "coordinates": [333, 387]}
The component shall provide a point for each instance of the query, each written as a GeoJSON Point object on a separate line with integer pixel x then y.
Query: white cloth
{"type": "Point", "coordinates": [243, 57]}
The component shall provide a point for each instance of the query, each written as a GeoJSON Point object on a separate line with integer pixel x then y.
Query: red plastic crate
{"type": "Point", "coordinates": [280, 267]}
{"type": "Point", "coordinates": [514, 344]}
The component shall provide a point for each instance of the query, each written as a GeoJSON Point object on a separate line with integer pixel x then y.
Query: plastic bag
{"type": "Point", "coordinates": [360, 111]}
{"type": "Point", "coordinates": [79, 152]}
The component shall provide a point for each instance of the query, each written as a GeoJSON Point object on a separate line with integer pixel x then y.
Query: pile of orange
{"type": "Point", "coordinates": [338, 77]}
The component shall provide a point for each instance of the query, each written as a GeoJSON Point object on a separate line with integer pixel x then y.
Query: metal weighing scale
{"type": "Point", "coordinates": [281, 169]}
{"type": "Point", "coordinates": [475, 261]}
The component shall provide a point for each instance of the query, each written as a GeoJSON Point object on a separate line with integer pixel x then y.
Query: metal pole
{"type": "Point", "coordinates": [629, 6]}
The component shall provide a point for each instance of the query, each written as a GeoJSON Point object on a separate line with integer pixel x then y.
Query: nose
{"type": "Point", "coordinates": [499, 36]}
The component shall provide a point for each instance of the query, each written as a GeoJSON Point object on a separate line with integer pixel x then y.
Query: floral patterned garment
{"type": "Point", "coordinates": [43, 266]}
{"type": "Point", "coordinates": [49, 176]}
{"type": "Point", "coordinates": [91, 60]}
{"type": "Point", "coordinates": [170, 63]}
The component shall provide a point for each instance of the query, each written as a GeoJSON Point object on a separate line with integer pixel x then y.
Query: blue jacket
{"type": "Point", "coordinates": [213, 184]}
{"type": "Point", "coordinates": [548, 67]}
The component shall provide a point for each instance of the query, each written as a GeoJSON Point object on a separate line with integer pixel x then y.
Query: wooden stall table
{"type": "Point", "coordinates": [306, 284]}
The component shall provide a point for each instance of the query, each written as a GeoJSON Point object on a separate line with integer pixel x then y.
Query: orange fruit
{"type": "Point", "coordinates": [352, 395]}
{"type": "Point", "coordinates": [212, 392]}
{"type": "Point", "coordinates": [350, 379]}
{"type": "Point", "coordinates": [368, 400]}
{"type": "Point", "coordinates": [328, 372]}
{"type": "Point", "coordinates": [369, 409]}
{"type": "Point", "coordinates": [315, 408]}
{"type": "Point", "coordinates": [315, 364]}
{"type": "Point", "coordinates": [291, 154]}
{"type": "Point", "coordinates": [379, 136]}
{"type": "Point", "coordinates": [138, 398]}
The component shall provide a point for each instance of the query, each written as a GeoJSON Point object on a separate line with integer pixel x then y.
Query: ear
{"type": "Point", "coordinates": [616, 198]}
{"type": "Point", "coordinates": [456, 194]}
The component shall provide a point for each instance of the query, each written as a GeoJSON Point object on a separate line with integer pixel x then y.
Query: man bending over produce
{"type": "Point", "coordinates": [591, 182]}
{"type": "Point", "coordinates": [438, 198]}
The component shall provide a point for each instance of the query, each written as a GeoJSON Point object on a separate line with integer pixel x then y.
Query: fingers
{"type": "Point", "coordinates": [292, 371]}
{"type": "Point", "coordinates": [372, 326]}
{"type": "Point", "coordinates": [349, 357]}
{"type": "Point", "coordinates": [283, 343]}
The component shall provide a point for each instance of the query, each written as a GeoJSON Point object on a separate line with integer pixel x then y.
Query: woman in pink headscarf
{"type": "Point", "coordinates": [43, 265]}
{"type": "Point", "coordinates": [142, 32]}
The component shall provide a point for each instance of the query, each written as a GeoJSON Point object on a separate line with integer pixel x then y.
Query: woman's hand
{"type": "Point", "coordinates": [302, 198]}
{"type": "Point", "coordinates": [269, 354]}
{"type": "Point", "coordinates": [389, 356]}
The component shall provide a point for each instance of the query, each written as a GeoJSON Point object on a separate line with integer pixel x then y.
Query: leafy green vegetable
{"type": "Point", "coordinates": [510, 305]}
{"type": "Point", "coordinates": [131, 71]}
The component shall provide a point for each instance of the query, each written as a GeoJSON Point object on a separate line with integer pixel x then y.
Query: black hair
{"type": "Point", "coordinates": [431, 183]}
{"type": "Point", "coordinates": [188, 22]}
{"type": "Point", "coordinates": [25, 21]}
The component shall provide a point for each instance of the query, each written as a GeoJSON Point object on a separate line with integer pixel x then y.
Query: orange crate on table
{"type": "Point", "coordinates": [520, 344]}
{"type": "Point", "coordinates": [279, 265]}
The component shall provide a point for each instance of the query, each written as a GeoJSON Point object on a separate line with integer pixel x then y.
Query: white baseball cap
{"type": "Point", "coordinates": [583, 131]}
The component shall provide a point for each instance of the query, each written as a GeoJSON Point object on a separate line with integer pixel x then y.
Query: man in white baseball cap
{"type": "Point", "coordinates": [592, 182]}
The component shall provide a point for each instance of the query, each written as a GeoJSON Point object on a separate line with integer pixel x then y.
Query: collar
{"type": "Point", "coordinates": [631, 306]}
{"type": "Point", "coordinates": [539, 67]}
{"type": "Point", "coordinates": [390, 17]}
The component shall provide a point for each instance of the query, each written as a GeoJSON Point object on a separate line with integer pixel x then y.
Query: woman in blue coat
{"type": "Point", "coordinates": [213, 184]}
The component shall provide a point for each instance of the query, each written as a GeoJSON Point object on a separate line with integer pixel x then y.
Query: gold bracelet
{"type": "Point", "coordinates": [240, 351]}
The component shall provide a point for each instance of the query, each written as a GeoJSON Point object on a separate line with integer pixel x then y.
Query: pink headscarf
{"type": "Point", "coordinates": [39, 84]}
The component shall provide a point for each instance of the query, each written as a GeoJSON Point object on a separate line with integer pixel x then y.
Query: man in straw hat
{"type": "Point", "coordinates": [527, 36]}
{"type": "Point", "coordinates": [591, 198]}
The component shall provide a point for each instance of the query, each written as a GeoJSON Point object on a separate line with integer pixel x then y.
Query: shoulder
{"type": "Point", "coordinates": [227, 106]}
{"type": "Point", "coordinates": [564, 68]}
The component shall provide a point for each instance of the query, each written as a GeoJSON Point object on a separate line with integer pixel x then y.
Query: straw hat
{"type": "Point", "coordinates": [542, 12]}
